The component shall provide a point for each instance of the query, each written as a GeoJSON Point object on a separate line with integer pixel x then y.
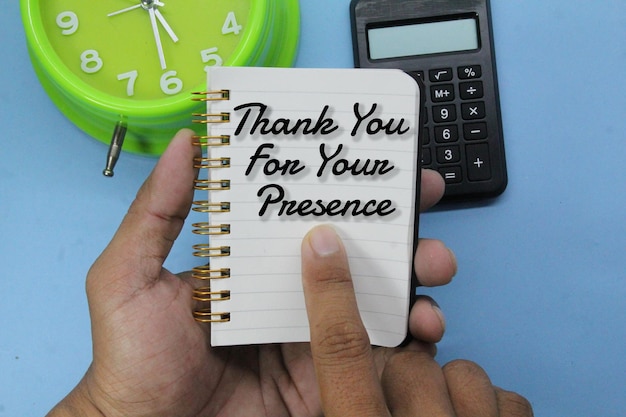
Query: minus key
{"type": "Point", "coordinates": [475, 131]}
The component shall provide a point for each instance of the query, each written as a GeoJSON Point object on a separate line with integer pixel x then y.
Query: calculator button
{"type": "Point", "coordinates": [444, 114]}
{"type": "Point", "coordinates": [448, 154]}
{"type": "Point", "coordinates": [446, 134]}
{"type": "Point", "coordinates": [471, 90]}
{"type": "Point", "coordinates": [478, 166]}
{"type": "Point", "coordinates": [440, 75]}
{"type": "Point", "coordinates": [472, 111]}
{"type": "Point", "coordinates": [475, 131]}
{"type": "Point", "coordinates": [451, 175]}
{"type": "Point", "coordinates": [469, 72]}
{"type": "Point", "coordinates": [442, 93]}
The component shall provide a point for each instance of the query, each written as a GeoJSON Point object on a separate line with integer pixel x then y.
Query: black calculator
{"type": "Point", "coordinates": [448, 44]}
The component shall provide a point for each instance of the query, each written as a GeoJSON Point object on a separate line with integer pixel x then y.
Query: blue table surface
{"type": "Point", "coordinates": [540, 297]}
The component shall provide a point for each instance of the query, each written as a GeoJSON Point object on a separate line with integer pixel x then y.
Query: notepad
{"type": "Point", "coordinates": [291, 148]}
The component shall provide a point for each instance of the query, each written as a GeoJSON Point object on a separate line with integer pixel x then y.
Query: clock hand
{"type": "Point", "coordinates": [152, 7]}
{"type": "Point", "coordinates": [167, 27]}
{"type": "Point", "coordinates": [128, 9]}
{"type": "Point", "coordinates": [157, 37]}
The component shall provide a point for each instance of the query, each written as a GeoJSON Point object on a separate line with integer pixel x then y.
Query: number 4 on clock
{"type": "Point", "coordinates": [231, 25]}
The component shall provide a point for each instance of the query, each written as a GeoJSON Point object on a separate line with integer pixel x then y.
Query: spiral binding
{"type": "Point", "coordinates": [204, 295]}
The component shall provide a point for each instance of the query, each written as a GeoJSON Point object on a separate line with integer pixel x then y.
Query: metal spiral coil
{"type": "Point", "coordinates": [204, 295]}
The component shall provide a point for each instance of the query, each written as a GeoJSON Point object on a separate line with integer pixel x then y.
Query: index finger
{"type": "Point", "coordinates": [340, 346]}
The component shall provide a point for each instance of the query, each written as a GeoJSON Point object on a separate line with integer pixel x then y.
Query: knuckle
{"type": "Point", "coordinates": [404, 366]}
{"type": "Point", "coordinates": [398, 362]}
{"type": "Point", "coordinates": [334, 274]}
{"type": "Point", "coordinates": [408, 361]}
{"type": "Point", "coordinates": [516, 405]}
{"type": "Point", "coordinates": [463, 369]}
{"type": "Point", "coordinates": [343, 341]}
{"type": "Point", "coordinates": [464, 373]}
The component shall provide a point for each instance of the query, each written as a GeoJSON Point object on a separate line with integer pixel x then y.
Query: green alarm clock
{"type": "Point", "coordinates": [128, 67]}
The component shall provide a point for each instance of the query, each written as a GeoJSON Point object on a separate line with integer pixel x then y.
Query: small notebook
{"type": "Point", "coordinates": [287, 149]}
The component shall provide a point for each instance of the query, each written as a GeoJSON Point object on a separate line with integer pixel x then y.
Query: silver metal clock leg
{"type": "Point", "coordinates": [115, 148]}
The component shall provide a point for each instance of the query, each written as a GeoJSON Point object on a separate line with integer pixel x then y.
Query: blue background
{"type": "Point", "coordinates": [539, 299]}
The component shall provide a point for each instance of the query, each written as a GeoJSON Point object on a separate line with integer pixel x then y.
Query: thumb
{"type": "Point", "coordinates": [340, 346]}
{"type": "Point", "coordinates": [135, 256]}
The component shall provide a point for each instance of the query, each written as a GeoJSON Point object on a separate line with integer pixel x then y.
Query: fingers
{"type": "Point", "coordinates": [511, 404]}
{"type": "Point", "coordinates": [432, 189]}
{"type": "Point", "coordinates": [414, 386]}
{"type": "Point", "coordinates": [426, 321]}
{"type": "Point", "coordinates": [434, 263]}
{"type": "Point", "coordinates": [339, 343]}
{"type": "Point", "coordinates": [154, 220]}
{"type": "Point", "coordinates": [471, 391]}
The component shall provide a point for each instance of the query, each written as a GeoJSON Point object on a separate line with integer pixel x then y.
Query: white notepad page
{"type": "Point", "coordinates": [266, 303]}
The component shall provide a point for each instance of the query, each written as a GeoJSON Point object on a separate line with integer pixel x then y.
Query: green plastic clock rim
{"type": "Point", "coordinates": [283, 37]}
{"type": "Point", "coordinates": [286, 52]}
{"type": "Point", "coordinates": [76, 98]}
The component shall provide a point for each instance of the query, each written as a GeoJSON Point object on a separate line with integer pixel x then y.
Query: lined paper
{"type": "Point", "coordinates": [267, 303]}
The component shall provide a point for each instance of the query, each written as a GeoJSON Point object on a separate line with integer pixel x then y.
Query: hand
{"type": "Point", "coordinates": [353, 381]}
{"type": "Point", "coordinates": [150, 357]}
{"type": "Point", "coordinates": [157, 37]}
{"type": "Point", "coordinates": [165, 25]}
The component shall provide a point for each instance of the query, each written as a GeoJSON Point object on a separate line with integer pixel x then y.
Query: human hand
{"type": "Point", "coordinates": [355, 381]}
{"type": "Point", "coordinates": [150, 357]}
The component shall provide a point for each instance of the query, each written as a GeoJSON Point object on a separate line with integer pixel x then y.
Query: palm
{"type": "Point", "coordinates": [170, 367]}
{"type": "Point", "coordinates": [269, 380]}
{"type": "Point", "coordinates": [150, 356]}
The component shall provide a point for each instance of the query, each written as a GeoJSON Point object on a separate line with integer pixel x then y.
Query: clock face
{"type": "Point", "coordinates": [135, 63]}
{"type": "Point", "coordinates": [144, 50]}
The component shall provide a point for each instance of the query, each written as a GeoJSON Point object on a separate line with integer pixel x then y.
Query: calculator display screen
{"type": "Point", "coordinates": [423, 38]}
